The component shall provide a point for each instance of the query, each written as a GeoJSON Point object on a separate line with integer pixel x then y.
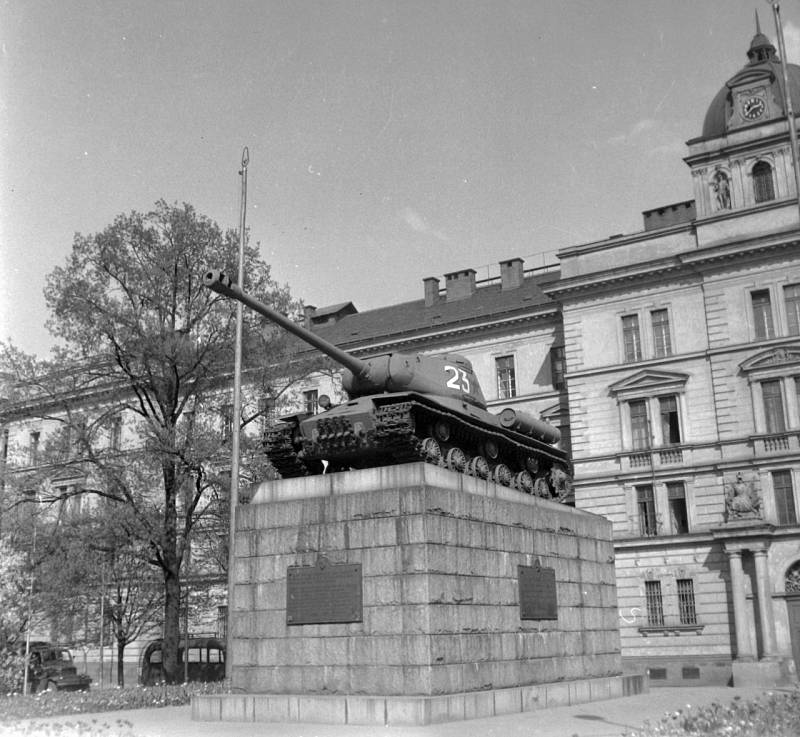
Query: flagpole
{"type": "Point", "coordinates": [237, 420]}
{"type": "Point", "coordinates": [787, 98]}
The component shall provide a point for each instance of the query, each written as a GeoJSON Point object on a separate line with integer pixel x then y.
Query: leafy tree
{"type": "Point", "coordinates": [145, 340]}
{"type": "Point", "coordinates": [14, 593]}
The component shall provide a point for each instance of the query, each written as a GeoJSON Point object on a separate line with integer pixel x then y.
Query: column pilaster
{"type": "Point", "coordinates": [766, 616]}
{"type": "Point", "coordinates": [743, 649]}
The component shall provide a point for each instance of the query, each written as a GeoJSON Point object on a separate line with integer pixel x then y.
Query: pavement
{"type": "Point", "coordinates": [611, 718]}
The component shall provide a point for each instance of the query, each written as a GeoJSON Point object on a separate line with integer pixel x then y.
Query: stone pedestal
{"type": "Point", "coordinates": [440, 612]}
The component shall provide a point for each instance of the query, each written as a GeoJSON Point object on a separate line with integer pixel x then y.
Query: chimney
{"type": "Point", "coordinates": [308, 313]}
{"type": "Point", "coordinates": [431, 290]}
{"type": "Point", "coordinates": [511, 273]}
{"type": "Point", "coordinates": [459, 284]}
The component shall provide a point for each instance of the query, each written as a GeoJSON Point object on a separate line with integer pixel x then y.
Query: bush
{"type": "Point", "coordinates": [772, 715]}
{"type": "Point", "coordinates": [12, 671]}
{"type": "Point", "coordinates": [56, 703]}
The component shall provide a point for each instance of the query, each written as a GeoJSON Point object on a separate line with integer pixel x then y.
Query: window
{"type": "Point", "coordinates": [763, 187]}
{"type": "Point", "coordinates": [645, 501]}
{"type": "Point", "coordinates": [773, 406]}
{"type": "Point", "coordinates": [33, 448]}
{"type": "Point", "coordinates": [678, 515]}
{"type": "Point", "coordinates": [687, 613]}
{"type": "Point", "coordinates": [506, 377]}
{"type": "Point", "coordinates": [311, 401]}
{"type": "Point", "coordinates": [654, 603]}
{"type": "Point", "coordinates": [557, 367]}
{"type": "Point", "coordinates": [630, 338]}
{"type": "Point", "coordinates": [222, 621]}
{"type": "Point", "coordinates": [661, 341]}
{"type": "Point", "coordinates": [762, 314]}
{"type": "Point", "coordinates": [226, 412]}
{"type": "Point", "coordinates": [266, 411]}
{"type": "Point", "coordinates": [784, 497]}
{"type": "Point", "coordinates": [791, 298]}
{"type": "Point", "coordinates": [640, 425]}
{"type": "Point", "coordinates": [115, 434]}
{"type": "Point", "coordinates": [670, 425]}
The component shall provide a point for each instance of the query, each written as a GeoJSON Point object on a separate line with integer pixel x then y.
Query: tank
{"type": "Point", "coordinates": [405, 408]}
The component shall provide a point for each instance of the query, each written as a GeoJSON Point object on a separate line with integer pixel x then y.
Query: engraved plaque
{"type": "Point", "coordinates": [537, 592]}
{"type": "Point", "coordinates": [323, 593]}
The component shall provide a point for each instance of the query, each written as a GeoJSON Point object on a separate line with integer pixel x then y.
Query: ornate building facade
{"type": "Point", "coordinates": [671, 360]}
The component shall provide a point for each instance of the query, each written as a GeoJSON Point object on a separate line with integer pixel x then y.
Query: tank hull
{"type": "Point", "coordinates": [406, 427]}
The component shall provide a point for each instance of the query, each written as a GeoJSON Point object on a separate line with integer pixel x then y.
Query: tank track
{"type": "Point", "coordinates": [403, 434]}
{"type": "Point", "coordinates": [279, 444]}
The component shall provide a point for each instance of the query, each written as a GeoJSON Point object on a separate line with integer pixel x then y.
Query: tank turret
{"type": "Point", "coordinates": [410, 407]}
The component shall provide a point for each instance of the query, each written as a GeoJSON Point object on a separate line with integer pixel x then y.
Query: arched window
{"type": "Point", "coordinates": [763, 186]}
{"type": "Point", "coordinates": [793, 579]}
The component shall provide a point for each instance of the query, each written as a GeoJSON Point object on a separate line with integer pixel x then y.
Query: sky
{"type": "Point", "coordinates": [388, 141]}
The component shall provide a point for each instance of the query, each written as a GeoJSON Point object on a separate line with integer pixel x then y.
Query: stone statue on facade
{"type": "Point", "coordinates": [722, 190]}
{"type": "Point", "coordinates": [741, 499]}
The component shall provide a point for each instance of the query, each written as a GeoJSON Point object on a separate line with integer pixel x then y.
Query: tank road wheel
{"type": "Point", "coordinates": [431, 451]}
{"type": "Point", "coordinates": [501, 474]}
{"type": "Point", "coordinates": [456, 460]}
{"type": "Point", "coordinates": [542, 488]}
{"type": "Point", "coordinates": [441, 430]}
{"type": "Point", "coordinates": [523, 481]}
{"type": "Point", "coordinates": [478, 467]}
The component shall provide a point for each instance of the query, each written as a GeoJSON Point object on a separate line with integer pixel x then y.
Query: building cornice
{"type": "Point", "coordinates": [687, 261]}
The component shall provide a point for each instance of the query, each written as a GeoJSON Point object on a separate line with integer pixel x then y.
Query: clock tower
{"type": "Point", "coordinates": [743, 158]}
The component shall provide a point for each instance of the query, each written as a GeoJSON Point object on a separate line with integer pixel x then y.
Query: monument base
{"type": "Point", "coordinates": [409, 710]}
{"type": "Point", "coordinates": [414, 589]}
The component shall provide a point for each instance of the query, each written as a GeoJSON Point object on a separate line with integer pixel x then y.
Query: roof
{"type": "Point", "coordinates": [407, 320]}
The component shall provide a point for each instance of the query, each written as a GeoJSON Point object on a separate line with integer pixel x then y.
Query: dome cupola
{"type": "Point", "coordinates": [754, 94]}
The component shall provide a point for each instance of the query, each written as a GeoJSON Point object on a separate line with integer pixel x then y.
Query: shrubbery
{"type": "Point", "coordinates": [55, 703]}
{"type": "Point", "coordinates": [771, 715]}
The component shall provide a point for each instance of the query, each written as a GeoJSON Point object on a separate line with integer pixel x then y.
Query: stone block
{"type": "Point", "coordinates": [366, 710]}
{"type": "Point", "coordinates": [272, 708]}
{"type": "Point", "coordinates": [478, 705]}
{"type": "Point", "coordinates": [208, 709]}
{"type": "Point", "coordinates": [407, 711]}
{"type": "Point", "coordinates": [533, 698]}
{"type": "Point", "coordinates": [508, 701]}
{"type": "Point", "coordinates": [236, 709]}
{"type": "Point", "coordinates": [557, 694]}
{"type": "Point", "coordinates": [322, 710]}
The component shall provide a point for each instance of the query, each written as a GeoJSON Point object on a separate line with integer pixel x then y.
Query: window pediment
{"type": "Point", "coordinates": [648, 382]}
{"type": "Point", "coordinates": [772, 359]}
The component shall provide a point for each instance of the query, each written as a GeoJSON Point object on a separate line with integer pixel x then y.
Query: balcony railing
{"type": "Point", "coordinates": [776, 442]}
{"type": "Point", "coordinates": [656, 457]}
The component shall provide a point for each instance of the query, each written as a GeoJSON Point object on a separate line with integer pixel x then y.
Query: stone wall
{"type": "Point", "coordinates": [439, 553]}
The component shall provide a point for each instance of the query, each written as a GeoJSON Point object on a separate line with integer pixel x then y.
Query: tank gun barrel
{"type": "Point", "coordinates": [222, 284]}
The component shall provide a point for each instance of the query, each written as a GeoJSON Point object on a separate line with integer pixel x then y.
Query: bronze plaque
{"type": "Point", "coordinates": [537, 592]}
{"type": "Point", "coordinates": [324, 593]}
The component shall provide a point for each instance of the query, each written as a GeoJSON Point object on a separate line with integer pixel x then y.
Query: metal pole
{"type": "Point", "coordinates": [102, 617]}
{"type": "Point", "coordinates": [237, 418]}
{"type": "Point", "coordinates": [787, 99]}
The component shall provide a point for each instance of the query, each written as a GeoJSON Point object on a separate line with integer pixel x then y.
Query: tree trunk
{"type": "Point", "coordinates": [120, 663]}
{"type": "Point", "coordinates": [173, 673]}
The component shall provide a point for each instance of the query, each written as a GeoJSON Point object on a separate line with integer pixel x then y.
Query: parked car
{"type": "Point", "coordinates": [50, 667]}
{"type": "Point", "coordinates": [206, 661]}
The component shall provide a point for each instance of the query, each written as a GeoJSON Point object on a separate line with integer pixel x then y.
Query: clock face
{"type": "Point", "coordinates": [753, 108]}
